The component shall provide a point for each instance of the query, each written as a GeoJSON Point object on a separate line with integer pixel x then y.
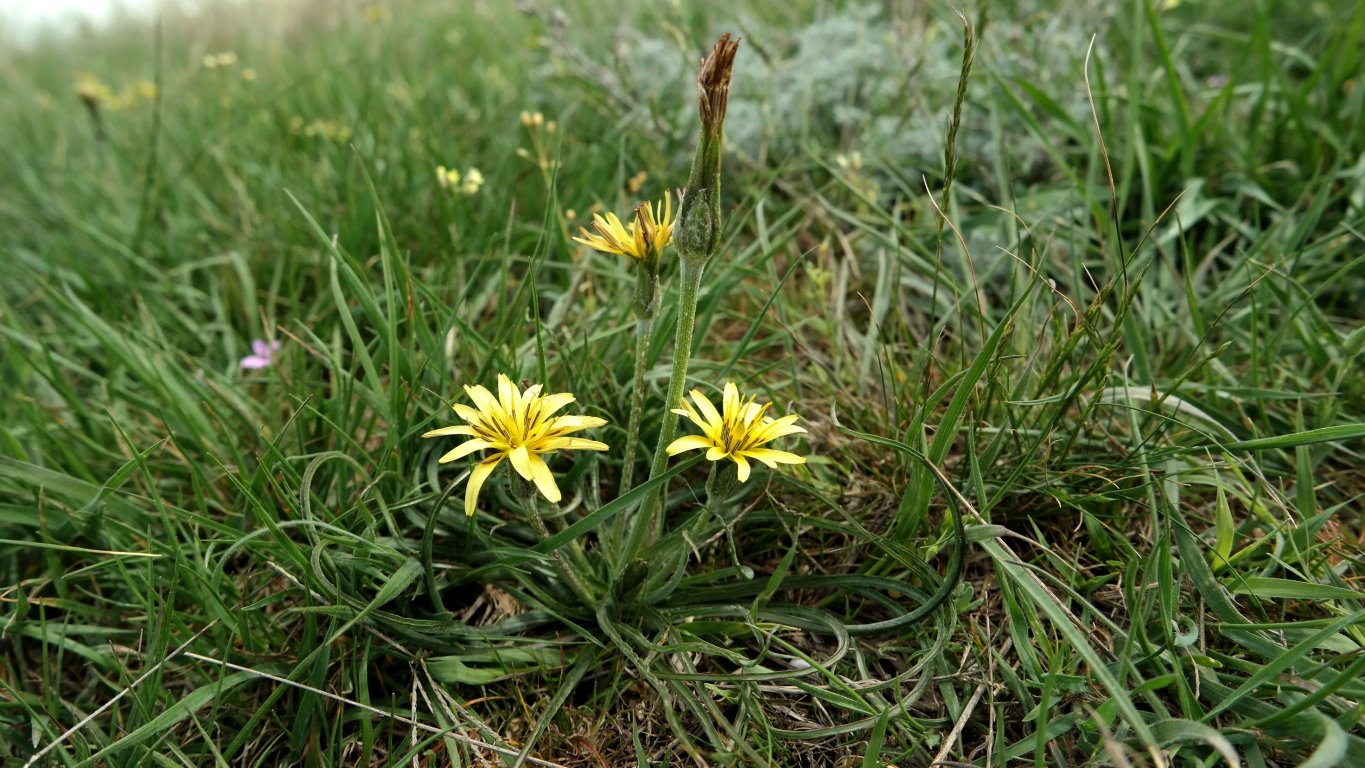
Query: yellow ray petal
{"type": "Point", "coordinates": [469, 414]}
{"type": "Point", "coordinates": [743, 467]}
{"type": "Point", "coordinates": [483, 399]}
{"type": "Point", "coordinates": [691, 413]}
{"type": "Point", "coordinates": [507, 394]}
{"type": "Point", "coordinates": [529, 396]}
{"type": "Point", "coordinates": [597, 242]}
{"type": "Point", "coordinates": [688, 443]}
{"type": "Point", "coordinates": [562, 425]}
{"type": "Point", "coordinates": [551, 403]}
{"type": "Point", "coordinates": [459, 429]}
{"type": "Point", "coordinates": [730, 404]}
{"type": "Point", "coordinates": [770, 429]}
{"type": "Point", "coordinates": [706, 409]}
{"type": "Point", "coordinates": [569, 444]}
{"type": "Point", "coordinates": [545, 481]}
{"type": "Point", "coordinates": [584, 444]}
{"type": "Point", "coordinates": [772, 458]}
{"type": "Point", "coordinates": [521, 462]}
{"type": "Point", "coordinates": [464, 449]}
{"type": "Point", "coordinates": [753, 413]}
{"type": "Point", "coordinates": [716, 453]}
{"type": "Point", "coordinates": [476, 478]}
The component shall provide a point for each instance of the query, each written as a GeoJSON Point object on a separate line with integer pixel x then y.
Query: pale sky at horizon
{"type": "Point", "coordinates": [27, 16]}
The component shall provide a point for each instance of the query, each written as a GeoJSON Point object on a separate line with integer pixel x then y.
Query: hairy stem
{"type": "Point", "coordinates": [525, 492]}
{"type": "Point", "coordinates": [647, 521]}
{"type": "Point", "coordinates": [720, 484]}
{"type": "Point", "coordinates": [647, 306]}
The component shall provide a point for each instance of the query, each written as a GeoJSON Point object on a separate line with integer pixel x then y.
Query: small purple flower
{"type": "Point", "coordinates": [261, 358]}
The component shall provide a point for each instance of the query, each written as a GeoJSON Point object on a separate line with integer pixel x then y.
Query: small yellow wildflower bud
{"type": "Point", "coordinates": [537, 119]}
{"type": "Point", "coordinates": [249, 74]}
{"type": "Point", "coordinates": [634, 183]}
{"type": "Point", "coordinates": [525, 119]}
{"type": "Point", "coordinates": [570, 214]}
{"type": "Point", "coordinates": [551, 127]}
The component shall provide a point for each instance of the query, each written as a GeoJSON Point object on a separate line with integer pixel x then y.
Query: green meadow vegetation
{"type": "Point", "coordinates": [1066, 297]}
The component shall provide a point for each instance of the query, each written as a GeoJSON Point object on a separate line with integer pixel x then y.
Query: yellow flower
{"type": "Point", "coordinates": [91, 90]}
{"type": "Point", "coordinates": [737, 432]}
{"type": "Point", "coordinates": [376, 14]}
{"type": "Point", "coordinates": [447, 177]}
{"type": "Point", "coordinates": [472, 181]}
{"type": "Point", "coordinates": [466, 184]}
{"type": "Point", "coordinates": [518, 426]}
{"type": "Point", "coordinates": [645, 238]}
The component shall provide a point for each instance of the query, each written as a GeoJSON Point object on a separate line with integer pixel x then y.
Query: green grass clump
{"type": "Point", "coordinates": [1074, 327]}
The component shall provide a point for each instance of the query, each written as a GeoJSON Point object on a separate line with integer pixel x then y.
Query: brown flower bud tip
{"type": "Point", "coordinates": [713, 82]}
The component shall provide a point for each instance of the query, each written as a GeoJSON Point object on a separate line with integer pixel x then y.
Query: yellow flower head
{"type": "Point", "coordinates": [447, 177]}
{"type": "Point", "coordinates": [91, 90]}
{"type": "Point", "coordinates": [648, 234]}
{"type": "Point", "coordinates": [472, 181]}
{"type": "Point", "coordinates": [518, 426]}
{"type": "Point", "coordinates": [738, 432]}
{"type": "Point", "coordinates": [376, 14]}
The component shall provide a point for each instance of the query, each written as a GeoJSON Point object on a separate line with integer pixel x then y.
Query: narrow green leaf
{"type": "Point", "coordinates": [180, 709]}
{"type": "Point", "coordinates": [1288, 589]}
{"type": "Point", "coordinates": [872, 758]}
{"type": "Point", "coordinates": [401, 579]}
{"type": "Point", "coordinates": [607, 511]}
{"type": "Point", "coordinates": [1171, 731]}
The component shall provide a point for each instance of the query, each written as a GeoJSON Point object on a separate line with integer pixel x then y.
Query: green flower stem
{"type": "Point", "coordinates": [697, 238]}
{"type": "Point", "coordinates": [647, 306]}
{"type": "Point", "coordinates": [720, 484]}
{"type": "Point", "coordinates": [648, 521]}
{"type": "Point", "coordinates": [525, 491]}
{"type": "Point", "coordinates": [667, 562]}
